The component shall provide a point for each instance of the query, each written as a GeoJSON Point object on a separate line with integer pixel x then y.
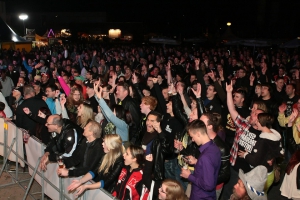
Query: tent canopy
{"type": "Point", "coordinates": [8, 35]}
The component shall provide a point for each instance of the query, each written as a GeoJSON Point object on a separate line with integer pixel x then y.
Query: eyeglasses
{"type": "Point", "coordinates": [161, 190]}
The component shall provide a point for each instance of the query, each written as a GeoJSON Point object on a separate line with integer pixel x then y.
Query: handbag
{"type": "Point", "coordinates": [277, 171]}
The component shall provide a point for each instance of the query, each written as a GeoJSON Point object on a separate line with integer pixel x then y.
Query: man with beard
{"type": "Point", "coordinates": [250, 185]}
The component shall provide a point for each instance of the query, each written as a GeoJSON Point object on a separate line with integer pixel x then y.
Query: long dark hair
{"type": "Point", "coordinates": [295, 159]}
{"type": "Point", "coordinates": [39, 127]}
{"type": "Point", "coordinates": [120, 111]}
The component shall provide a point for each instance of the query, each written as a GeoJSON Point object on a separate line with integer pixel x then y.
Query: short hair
{"type": "Point", "coordinates": [28, 89]}
{"type": "Point", "coordinates": [157, 114]}
{"type": "Point", "coordinates": [197, 125]}
{"type": "Point", "coordinates": [268, 86]}
{"type": "Point", "coordinates": [95, 127]}
{"type": "Point", "coordinates": [265, 119]}
{"type": "Point", "coordinates": [214, 119]}
{"type": "Point", "coordinates": [2, 106]}
{"type": "Point", "coordinates": [151, 101]}
{"type": "Point", "coordinates": [241, 92]}
{"type": "Point", "coordinates": [261, 106]}
{"type": "Point", "coordinates": [293, 85]}
{"type": "Point", "coordinates": [279, 78]}
{"type": "Point", "coordinates": [53, 87]}
{"type": "Point", "coordinates": [57, 120]}
{"type": "Point", "coordinates": [138, 153]}
{"type": "Point", "coordinates": [124, 85]}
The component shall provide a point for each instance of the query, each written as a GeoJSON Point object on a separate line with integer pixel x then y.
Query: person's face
{"type": "Point", "coordinates": [87, 130]}
{"type": "Point", "coordinates": [22, 74]}
{"type": "Point", "coordinates": [258, 90]}
{"type": "Point", "coordinates": [79, 109]}
{"type": "Point", "coordinates": [151, 119]}
{"type": "Point", "coordinates": [128, 158]}
{"type": "Point", "coordinates": [76, 95]}
{"type": "Point", "coordinates": [105, 148]}
{"type": "Point", "coordinates": [239, 190]}
{"type": "Point", "coordinates": [238, 99]}
{"type": "Point", "coordinates": [51, 127]}
{"type": "Point", "coordinates": [205, 120]}
{"type": "Point", "coordinates": [193, 115]}
{"type": "Point", "coordinates": [241, 73]}
{"type": "Point", "coordinates": [280, 72]}
{"type": "Point", "coordinates": [41, 115]}
{"type": "Point", "coordinates": [21, 81]}
{"type": "Point", "coordinates": [155, 72]}
{"type": "Point", "coordinates": [10, 68]}
{"type": "Point", "coordinates": [253, 117]}
{"type": "Point", "coordinates": [192, 78]}
{"type": "Point", "coordinates": [44, 79]}
{"type": "Point", "coordinates": [50, 93]}
{"type": "Point", "coordinates": [144, 107]}
{"type": "Point", "coordinates": [206, 78]}
{"type": "Point", "coordinates": [159, 79]}
{"type": "Point", "coordinates": [193, 104]}
{"type": "Point", "coordinates": [120, 93]}
{"type": "Point", "coordinates": [169, 107]}
{"type": "Point", "coordinates": [16, 93]}
{"type": "Point", "coordinates": [264, 91]}
{"type": "Point", "coordinates": [210, 93]}
{"type": "Point", "coordinates": [234, 62]}
{"type": "Point", "coordinates": [118, 68]}
{"type": "Point", "coordinates": [66, 79]}
{"type": "Point", "coordinates": [150, 82]}
{"type": "Point", "coordinates": [195, 137]}
{"type": "Point", "coordinates": [165, 94]}
{"type": "Point", "coordinates": [289, 90]}
{"type": "Point", "coordinates": [162, 194]}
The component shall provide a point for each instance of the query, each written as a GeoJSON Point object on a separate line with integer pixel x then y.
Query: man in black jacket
{"type": "Point", "coordinates": [129, 104]}
{"type": "Point", "coordinates": [211, 120]}
{"type": "Point", "coordinates": [87, 155]}
{"type": "Point", "coordinates": [64, 143]}
{"type": "Point", "coordinates": [33, 104]}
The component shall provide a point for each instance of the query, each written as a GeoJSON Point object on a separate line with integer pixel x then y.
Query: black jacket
{"type": "Point", "coordinates": [64, 142]}
{"type": "Point", "coordinates": [224, 172]}
{"type": "Point", "coordinates": [160, 149]}
{"type": "Point", "coordinates": [111, 177]}
{"type": "Point", "coordinates": [24, 121]}
{"type": "Point", "coordinates": [85, 158]}
{"type": "Point", "coordinates": [130, 105]}
{"type": "Point", "coordinates": [291, 143]}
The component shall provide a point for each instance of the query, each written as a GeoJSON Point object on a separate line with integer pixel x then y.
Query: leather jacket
{"type": "Point", "coordinates": [63, 143]}
{"type": "Point", "coordinates": [292, 145]}
{"type": "Point", "coordinates": [111, 177]}
{"type": "Point", "coordinates": [160, 148]}
{"type": "Point", "coordinates": [224, 172]}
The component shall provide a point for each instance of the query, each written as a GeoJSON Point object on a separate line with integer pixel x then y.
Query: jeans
{"type": "Point", "coordinates": [170, 167]}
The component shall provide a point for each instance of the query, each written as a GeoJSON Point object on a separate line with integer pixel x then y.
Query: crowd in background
{"type": "Point", "coordinates": [172, 122]}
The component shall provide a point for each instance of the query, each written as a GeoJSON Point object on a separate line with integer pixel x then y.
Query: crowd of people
{"type": "Point", "coordinates": [157, 122]}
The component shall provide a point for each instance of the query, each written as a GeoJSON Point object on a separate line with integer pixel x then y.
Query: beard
{"type": "Point", "coordinates": [235, 196]}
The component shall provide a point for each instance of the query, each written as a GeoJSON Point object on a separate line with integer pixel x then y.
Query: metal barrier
{"type": "Point", "coordinates": [11, 138]}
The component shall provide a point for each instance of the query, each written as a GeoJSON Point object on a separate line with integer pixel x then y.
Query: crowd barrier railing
{"type": "Point", "coordinates": [11, 138]}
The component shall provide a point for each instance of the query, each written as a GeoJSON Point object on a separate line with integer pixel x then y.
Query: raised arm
{"type": "Point", "coordinates": [230, 104]}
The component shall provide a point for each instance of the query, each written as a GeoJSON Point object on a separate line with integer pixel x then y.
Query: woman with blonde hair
{"type": "Point", "coordinates": [84, 114]}
{"type": "Point", "coordinates": [73, 101]}
{"type": "Point", "coordinates": [106, 175]}
{"type": "Point", "coordinates": [171, 189]}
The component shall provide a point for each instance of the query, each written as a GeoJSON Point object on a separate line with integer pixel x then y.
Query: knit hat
{"type": "Point", "coordinates": [254, 182]}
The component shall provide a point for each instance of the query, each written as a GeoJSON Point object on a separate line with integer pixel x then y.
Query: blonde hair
{"type": "Point", "coordinates": [86, 115]}
{"type": "Point", "coordinates": [261, 106]}
{"type": "Point", "coordinates": [116, 149]}
{"type": "Point", "coordinates": [174, 190]}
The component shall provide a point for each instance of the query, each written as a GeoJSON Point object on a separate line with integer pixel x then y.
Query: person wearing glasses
{"type": "Point", "coordinates": [66, 135]}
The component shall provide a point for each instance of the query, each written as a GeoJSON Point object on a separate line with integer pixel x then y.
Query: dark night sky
{"type": "Point", "coordinates": [250, 18]}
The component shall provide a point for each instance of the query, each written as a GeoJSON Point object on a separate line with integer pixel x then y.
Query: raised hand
{"type": "Point", "coordinates": [252, 77]}
{"type": "Point", "coordinates": [211, 74]}
{"type": "Point", "coordinates": [97, 91]}
{"type": "Point", "coordinates": [229, 87]}
{"type": "Point", "coordinates": [149, 157]}
{"type": "Point", "coordinates": [293, 116]}
{"type": "Point", "coordinates": [62, 100]}
{"type": "Point", "coordinates": [197, 93]}
{"type": "Point", "coordinates": [26, 110]}
{"type": "Point", "coordinates": [282, 107]}
{"type": "Point", "coordinates": [197, 63]}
